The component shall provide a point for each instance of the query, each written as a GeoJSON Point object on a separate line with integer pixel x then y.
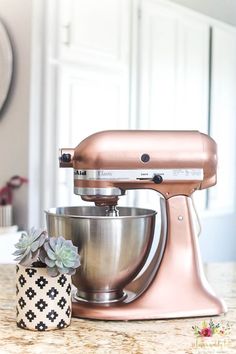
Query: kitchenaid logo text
{"type": "Point", "coordinates": [93, 174]}
{"type": "Point", "coordinates": [104, 174]}
{"type": "Point", "coordinates": [80, 173]}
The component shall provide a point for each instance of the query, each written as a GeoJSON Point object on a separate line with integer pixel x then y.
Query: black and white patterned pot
{"type": "Point", "coordinates": [42, 302]}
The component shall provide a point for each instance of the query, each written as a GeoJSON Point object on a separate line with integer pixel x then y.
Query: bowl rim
{"type": "Point", "coordinates": [148, 213]}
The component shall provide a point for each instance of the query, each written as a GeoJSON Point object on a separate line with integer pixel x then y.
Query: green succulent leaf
{"type": "Point", "coordinates": [52, 243]}
{"type": "Point", "coordinates": [50, 263]}
{"type": "Point", "coordinates": [35, 246]}
{"type": "Point", "coordinates": [17, 252]}
{"type": "Point", "coordinates": [59, 263]}
{"type": "Point", "coordinates": [69, 263]}
{"type": "Point", "coordinates": [51, 254]}
{"type": "Point", "coordinates": [28, 246]}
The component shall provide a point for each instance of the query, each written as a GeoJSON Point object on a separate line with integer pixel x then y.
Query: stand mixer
{"type": "Point", "coordinates": [115, 281]}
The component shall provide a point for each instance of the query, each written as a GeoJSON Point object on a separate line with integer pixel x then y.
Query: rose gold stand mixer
{"type": "Point", "coordinates": [115, 280]}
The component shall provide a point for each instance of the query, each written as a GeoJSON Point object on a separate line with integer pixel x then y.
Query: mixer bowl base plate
{"type": "Point", "coordinates": [99, 298]}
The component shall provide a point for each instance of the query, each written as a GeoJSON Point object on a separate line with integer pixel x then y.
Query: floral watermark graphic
{"type": "Point", "coordinates": [211, 337]}
{"type": "Point", "coordinates": [210, 329]}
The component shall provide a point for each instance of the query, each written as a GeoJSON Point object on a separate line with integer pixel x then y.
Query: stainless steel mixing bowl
{"type": "Point", "coordinates": [112, 249]}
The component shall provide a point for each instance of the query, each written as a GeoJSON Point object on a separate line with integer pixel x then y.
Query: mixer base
{"type": "Point", "coordinates": [179, 288]}
{"type": "Point", "coordinates": [127, 312]}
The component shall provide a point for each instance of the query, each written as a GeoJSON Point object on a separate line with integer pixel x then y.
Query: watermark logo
{"type": "Point", "coordinates": [211, 338]}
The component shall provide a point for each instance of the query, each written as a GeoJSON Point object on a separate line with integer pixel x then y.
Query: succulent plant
{"type": "Point", "coordinates": [55, 253]}
{"type": "Point", "coordinates": [60, 256]}
{"type": "Point", "coordinates": [29, 246]}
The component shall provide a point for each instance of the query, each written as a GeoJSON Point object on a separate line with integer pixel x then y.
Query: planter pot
{"type": "Point", "coordinates": [42, 302]}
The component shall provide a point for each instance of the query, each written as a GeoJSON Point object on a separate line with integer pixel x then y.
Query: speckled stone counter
{"type": "Point", "coordinates": [87, 336]}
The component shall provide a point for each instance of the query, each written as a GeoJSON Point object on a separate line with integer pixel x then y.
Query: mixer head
{"type": "Point", "coordinates": [108, 163]}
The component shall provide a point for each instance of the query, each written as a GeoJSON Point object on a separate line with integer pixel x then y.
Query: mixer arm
{"type": "Point", "coordinates": [143, 280]}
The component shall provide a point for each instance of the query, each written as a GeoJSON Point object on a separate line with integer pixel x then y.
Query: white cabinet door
{"type": "Point", "coordinates": [173, 75]}
{"type": "Point", "coordinates": [95, 32]}
{"type": "Point", "coordinates": [94, 79]}
{"type": "Point", "coordinates": [223, 116]}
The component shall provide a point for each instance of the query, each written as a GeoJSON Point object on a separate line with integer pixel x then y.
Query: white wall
{"type": "Point", "coordinates": [223, 10]}
{"type": "Point", "coordinates": [14, 121]}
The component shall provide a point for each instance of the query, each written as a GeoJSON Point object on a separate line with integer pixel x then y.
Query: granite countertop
{"type": "Point", "coordinates": [90, 336]}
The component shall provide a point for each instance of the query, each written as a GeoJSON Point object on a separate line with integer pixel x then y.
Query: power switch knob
{"type": "Point", "coordinates": [65, 158]}
{"type": "Point", "coordinates": [157, 179]}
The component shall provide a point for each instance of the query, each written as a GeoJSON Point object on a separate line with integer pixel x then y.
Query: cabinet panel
{"type": "Point", "coordinates": [193, 72]}
{"type": "Point", "coordinates": [95, 31]}
{"type": "Point", "coordinates": [223, 113]}
{"type": "Point", "coordinates": [157, 69]}
{"type": "Point", "coordinates": [173, 69]}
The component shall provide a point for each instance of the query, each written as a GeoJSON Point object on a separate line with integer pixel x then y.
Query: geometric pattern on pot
{"type": "Point", "coordinates": [42, 302]}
